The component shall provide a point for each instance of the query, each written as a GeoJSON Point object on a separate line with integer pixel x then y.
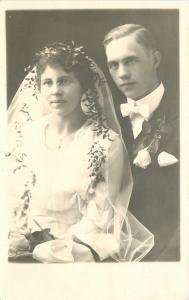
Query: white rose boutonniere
{"type": "Point", "coordinates": [148, 148]}
{"type": "Point", "coordinates": [143, 159]}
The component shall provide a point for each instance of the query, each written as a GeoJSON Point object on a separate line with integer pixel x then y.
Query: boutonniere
{"type": "Point", "coordinates": [151, 141]}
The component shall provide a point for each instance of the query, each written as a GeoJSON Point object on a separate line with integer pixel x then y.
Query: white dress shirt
{"type": "Point", "coordinates": [152, 100]}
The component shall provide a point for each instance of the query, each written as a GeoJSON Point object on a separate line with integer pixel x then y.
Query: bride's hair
{"type": "Point", "coordinates": [71, 58]}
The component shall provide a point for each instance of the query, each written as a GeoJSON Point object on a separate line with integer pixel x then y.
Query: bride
{"type": "Point", "coordinates": [70, 179]}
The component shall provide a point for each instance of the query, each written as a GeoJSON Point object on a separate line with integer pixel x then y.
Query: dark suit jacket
{"type": "Point", "coordinates": [155, 196]}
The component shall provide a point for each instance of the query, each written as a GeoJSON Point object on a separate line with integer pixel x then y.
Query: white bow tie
{"type": "Point", "coordinates": [131, 109]}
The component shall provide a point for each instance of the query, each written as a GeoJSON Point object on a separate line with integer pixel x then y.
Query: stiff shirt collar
{"type": "Point", "coordinates": [152, 100]}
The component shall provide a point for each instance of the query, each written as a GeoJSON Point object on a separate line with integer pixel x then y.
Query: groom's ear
{"type": "Point", "coordinates": [157, 58]}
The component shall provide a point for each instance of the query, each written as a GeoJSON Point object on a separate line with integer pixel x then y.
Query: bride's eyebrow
{"type": "Point", "coordinates": [47, 78]}
{"type": "Point", "coordinates": [59, 78]}
{"type": "Point", "coordinates": [64, 76]}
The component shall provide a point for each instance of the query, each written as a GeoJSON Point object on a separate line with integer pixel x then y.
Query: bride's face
{"type": "Point", "coordinates": [60, 90]}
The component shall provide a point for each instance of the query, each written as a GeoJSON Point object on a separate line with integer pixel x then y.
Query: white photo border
{"type": "Point", "coordinates": [135, 281]}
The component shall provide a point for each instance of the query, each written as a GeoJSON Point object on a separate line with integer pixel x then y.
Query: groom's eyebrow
{"type": "Point", "coordinates": [130, 59]}
{"type": "Point", "coordinates": [124, 60]}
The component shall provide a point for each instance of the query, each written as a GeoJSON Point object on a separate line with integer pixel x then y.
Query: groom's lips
{"type": "Point", "coordinates": [126, 84]}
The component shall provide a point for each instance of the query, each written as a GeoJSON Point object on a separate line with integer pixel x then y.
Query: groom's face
{"type": "Point", "coordinates": [132, 66]}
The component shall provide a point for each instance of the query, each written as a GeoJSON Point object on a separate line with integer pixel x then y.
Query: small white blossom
{"type": "Point", "coordinates": [142, 159]}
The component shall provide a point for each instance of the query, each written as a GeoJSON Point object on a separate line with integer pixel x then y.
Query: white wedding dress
{"type": "Point", "coordinates": [62, 197]}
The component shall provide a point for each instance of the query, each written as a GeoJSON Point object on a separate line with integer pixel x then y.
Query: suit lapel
{"type": "Point", "coordinates": [126, 129]}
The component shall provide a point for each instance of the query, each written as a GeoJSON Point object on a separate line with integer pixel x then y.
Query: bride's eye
{"type": "Point", "coordinates": [47, 82]}
{"type": "Point", "coordinates": [65, 81]}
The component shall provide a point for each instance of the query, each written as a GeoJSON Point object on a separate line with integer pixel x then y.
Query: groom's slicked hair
{"type": "Point", "coordinates": [142, 35]}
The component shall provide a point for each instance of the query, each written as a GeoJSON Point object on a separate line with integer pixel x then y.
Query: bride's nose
{"type": "Point", "coordinates": [56, 89]}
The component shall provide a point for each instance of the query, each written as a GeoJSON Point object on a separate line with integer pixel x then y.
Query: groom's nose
{"type": "Point", "coordinates": [123, 72]}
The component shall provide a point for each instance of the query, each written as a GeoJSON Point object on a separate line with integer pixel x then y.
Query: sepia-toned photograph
{"type": "Point", "coordinates": [94, 150]}
{"type": "Point", "coordinates": [93, 131]}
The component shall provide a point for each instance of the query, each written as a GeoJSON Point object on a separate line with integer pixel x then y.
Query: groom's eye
{"type": "Point", "coordinates": [112, 65]}
{"type": "Point", "coordinates": [130, 60]}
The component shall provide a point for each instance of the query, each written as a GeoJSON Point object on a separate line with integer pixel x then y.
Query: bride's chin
{"type": "Point", "coordinates": [57, 109]}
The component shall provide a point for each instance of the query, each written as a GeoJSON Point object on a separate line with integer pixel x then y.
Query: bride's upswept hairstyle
{"type": "Point", "coordinates": [70, 57]}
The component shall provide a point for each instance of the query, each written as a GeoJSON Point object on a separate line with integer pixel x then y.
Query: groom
{"type": "Point", "coordinates": [149, 124]}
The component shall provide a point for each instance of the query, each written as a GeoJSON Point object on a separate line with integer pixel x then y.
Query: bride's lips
{"type": "Point", "coordinates": [58, 101]}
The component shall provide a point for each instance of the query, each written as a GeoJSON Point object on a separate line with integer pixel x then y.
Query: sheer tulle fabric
{"type": "Point", "coordinates": [103, 221]}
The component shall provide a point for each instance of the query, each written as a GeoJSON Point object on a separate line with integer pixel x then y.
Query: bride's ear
{"type": "Point", "coordinates": [87, 103]}
{"type": "Point", "coordinates": [83, 103]}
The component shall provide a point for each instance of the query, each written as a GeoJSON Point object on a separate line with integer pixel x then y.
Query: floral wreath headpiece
{"type": "Point", "coordinates": [76, 52]}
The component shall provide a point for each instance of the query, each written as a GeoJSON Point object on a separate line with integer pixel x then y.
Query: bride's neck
{"type": "Point", "coordinates": [67, 124]}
